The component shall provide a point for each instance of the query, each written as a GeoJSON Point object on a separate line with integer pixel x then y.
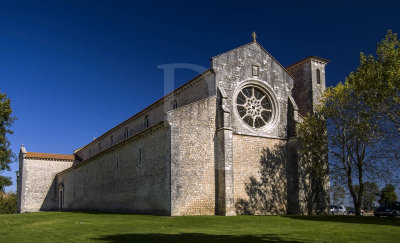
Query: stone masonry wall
{"type": "Point", "coordinates": [192, 158]}
{"type": "Point", "coordinates": [251, 65]}
{"type": "Point", "coordinates": [302, 91]}
{"type": "Point", "coordinates": [234, 68]}
{"type": "Point", "coordinates": [139, 182]}
{"type": "Point", "coordinates": [260, 177]}
{"type": "Point", "coordinates": [38, 189]}
{"type": "Point", "coordinates": [318, 89]}
{"type": "Point", "coordinates": [307, 92]}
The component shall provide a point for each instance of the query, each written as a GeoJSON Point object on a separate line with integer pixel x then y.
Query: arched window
{"type": "Point", "coordinates": [99, 147]}
{"type": "Point", "coordinates": [112, 140]}
{"type": "Point", "coordinates": [126, 133]}
{"type": "Point", "coordinates": [318, 76]}
{"type": "Point", "coordinates": [146, 121]}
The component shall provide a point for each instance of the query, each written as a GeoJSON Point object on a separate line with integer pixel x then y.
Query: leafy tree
{"type": "Point", "coordinates": [313, 156]}
{"type": "Point", "coordinates": [338, 194]}
{"type": "Point", "coordinates": [4, 181]}
{"type": "Point", "coordinates": [8, 203]}
{"type": "Point", "coordinates": [378, 80]}
{"type": "Point", "coordinates": [362, 122]}
{"type": "Point", "coordinates": [351, 139]}
{"type": "Point", "coordinates": [387, 195]}
{"type": "Point", "coordinates": [6, 155]}
{"type": "Point", "coordinates": [370, 195]}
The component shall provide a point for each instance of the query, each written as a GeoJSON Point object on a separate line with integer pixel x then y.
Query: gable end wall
{"type": "Point", "coordinates": [37, 190]}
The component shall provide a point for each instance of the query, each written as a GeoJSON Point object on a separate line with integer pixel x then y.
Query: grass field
{"type": "Point", "coordinates": [97, 227]}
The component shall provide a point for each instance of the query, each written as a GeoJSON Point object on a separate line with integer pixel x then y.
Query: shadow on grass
{"type": "Point", "coordinates": [115, 213]}
{"type": "Point", "coordinates": [191, 237]}
{"type": "Point", "coordinates": [349, 219]}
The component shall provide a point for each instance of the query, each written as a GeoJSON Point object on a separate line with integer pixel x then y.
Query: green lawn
{"type": "Point", "coordinates": [97, 227]}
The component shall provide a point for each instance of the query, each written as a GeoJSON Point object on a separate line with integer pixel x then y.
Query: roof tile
{"type": "Point", "coordinates": [50, 156]}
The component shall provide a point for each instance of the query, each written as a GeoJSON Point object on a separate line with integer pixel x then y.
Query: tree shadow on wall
{"type": "Point", "coordinates": [191, 237]}
{"type": "Point", "coordinates": [268, 193]}
{"type": "Point", "coordinates": [313, 184]}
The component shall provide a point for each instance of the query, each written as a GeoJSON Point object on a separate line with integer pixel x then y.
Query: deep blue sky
{"type": "Point", "coordinates": [74, 69]}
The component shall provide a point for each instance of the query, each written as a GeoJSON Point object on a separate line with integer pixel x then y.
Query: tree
{"type": "Point", "coordinates": [313, 152]}
{"type": "Point", "coordinates": [6, 155]}
{"type": "Point", "coordinates": [378, 80]}
{"type": "Point", "coordinates": [387, 195]}
{"type": "Point", "coordinates": [338, 194]}
{"type": "Point", "coordinates": [370, 195]}
{"type": "Point", "coordinates": [4, 182]}
{"type": "Point", "coordinates": [362, 118]}
{"type": "Point", "coordinates": [8, 203]}
{"type": "Point", "coordinates": [351, 139]}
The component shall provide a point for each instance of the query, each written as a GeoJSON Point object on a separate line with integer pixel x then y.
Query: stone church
{"type": "Point", "coordinates": [224, 143]}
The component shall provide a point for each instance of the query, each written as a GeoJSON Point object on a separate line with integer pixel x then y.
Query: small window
{"type": "Point", "coordinates": [146, 121]}
{"type": "Point", "coordinates": [61, 199]}
{"type": "Point", "coordinates": [90, 152]}
{"type": "Point", "coordinates": [318, 76]}
{"type": "Point", "coordinates": [174, 104]}
{"type": "Point", "coordinates": [111, 140]}
{"type": "Point", "coordinates": [126, 133]}
{"type": "Point", "coordinates": [117, 162]}
{"type": "Point", "coordinates": [99, 147]}
{"type": "Point", "coordinates": [140, 156]}
{"type": "Point", "coordinates": [255, 70]}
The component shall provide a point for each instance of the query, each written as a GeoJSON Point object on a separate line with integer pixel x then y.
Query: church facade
{"type": "Point", "coordinates": [224, 143]}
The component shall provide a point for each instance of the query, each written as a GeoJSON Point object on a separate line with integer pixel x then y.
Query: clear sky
{"type": "Point", "coordinates": [74, 69]}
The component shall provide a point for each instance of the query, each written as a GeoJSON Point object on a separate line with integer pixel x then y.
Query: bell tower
{"type": "Point", "coordinates": [309, 83]}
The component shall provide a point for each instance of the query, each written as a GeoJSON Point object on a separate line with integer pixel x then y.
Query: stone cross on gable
{"type": "Point", "coordinates": [254, 36]}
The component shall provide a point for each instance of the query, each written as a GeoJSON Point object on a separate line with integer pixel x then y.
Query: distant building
{"type": "Point", "coordinates": [194, 151]}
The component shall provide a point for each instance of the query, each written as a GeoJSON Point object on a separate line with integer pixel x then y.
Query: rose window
{"type": "Point", "coordinates": [254, 107]}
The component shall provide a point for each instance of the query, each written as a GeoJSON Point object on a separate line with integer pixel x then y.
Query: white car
{"type": "Point", "coordinates": [338, 209]}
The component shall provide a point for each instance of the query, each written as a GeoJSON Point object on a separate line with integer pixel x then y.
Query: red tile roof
{"type": "Point", "coordinates": [50, 156]}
